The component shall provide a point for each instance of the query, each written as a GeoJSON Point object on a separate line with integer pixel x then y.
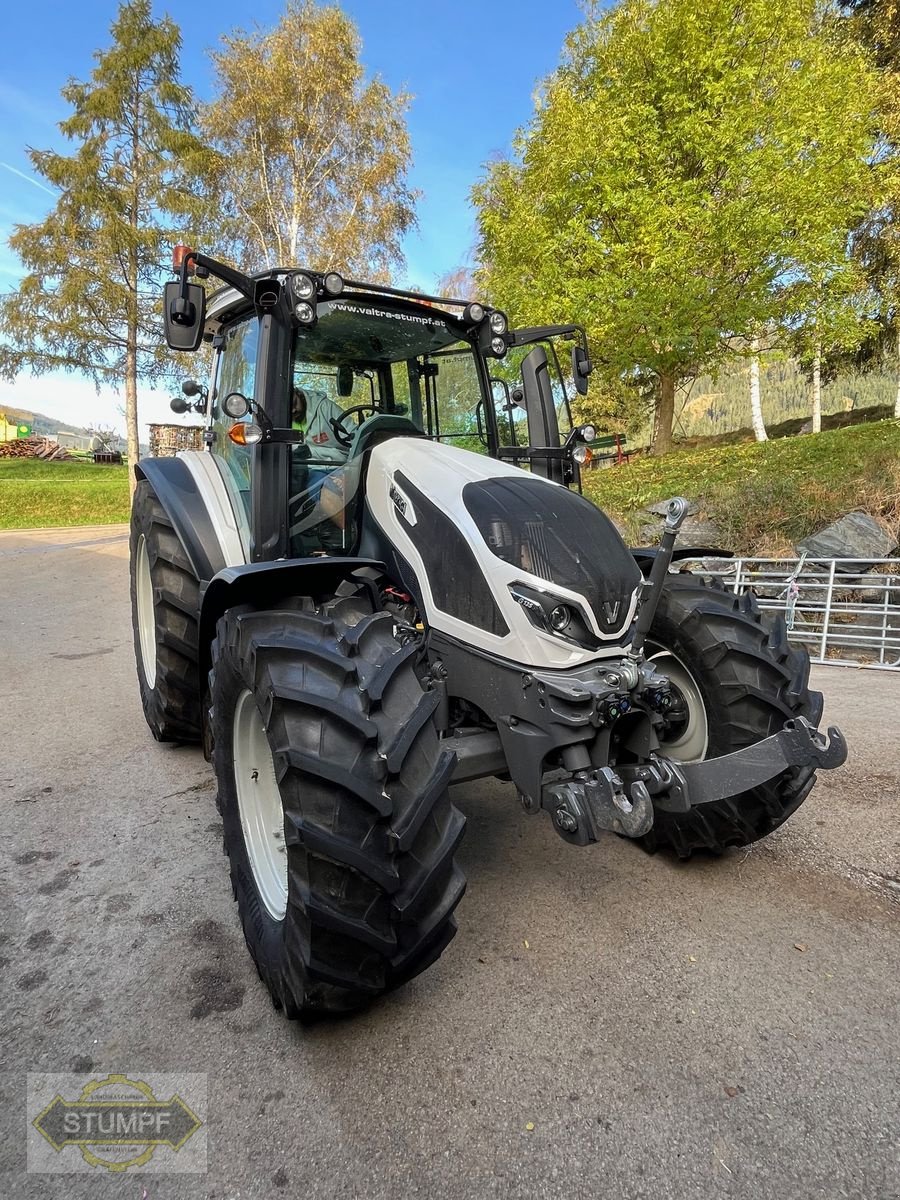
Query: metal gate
{"type": "Point", "coordinates": [846, 611]}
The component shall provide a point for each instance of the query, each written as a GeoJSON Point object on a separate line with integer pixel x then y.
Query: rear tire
{"type": "Point", "coordinates": [165, 607]}
{"type": "Point", "coordinates": [750, 681]}
{"type": "Point", "coordinates": [365, 823]}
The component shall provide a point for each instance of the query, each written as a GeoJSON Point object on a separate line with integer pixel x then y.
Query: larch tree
{"type": "Point", "coordinates": [89, 298]}
{"type": "Point", "coordinates": [310, 157]}
{"type": "Point", "coordinates": [685, 159]}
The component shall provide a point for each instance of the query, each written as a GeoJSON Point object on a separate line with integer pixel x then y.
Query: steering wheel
{"type": "Point", "coordinates": [343, 435]}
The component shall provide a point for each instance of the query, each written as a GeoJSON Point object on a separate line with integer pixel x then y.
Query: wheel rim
{"type": "Point", "coordinates": [690, 741]}
{"type": "Point", "coordinates": [146, 617]}
{"type": "Point", "coordinates": [259, 803]}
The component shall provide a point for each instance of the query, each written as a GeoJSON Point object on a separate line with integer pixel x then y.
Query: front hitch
{"type": "Point", "coordinates": [622, 800]}
{"type": "Point", "coordinates": [678, 787]}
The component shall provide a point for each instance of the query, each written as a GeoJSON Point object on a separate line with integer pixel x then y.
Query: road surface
{"type": "Point", "coordinates": [604, 1024]}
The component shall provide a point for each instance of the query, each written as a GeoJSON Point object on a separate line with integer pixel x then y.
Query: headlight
{"type": "Point", "coordinates": [560, 617]}
{"type": "Point", "coordinates": [582, 455]}
{"type": "Point", "coordinates": [305, 313]}
{"type": "Point", "coordinates": [498, 322]}
{"type": "Point", "coordinates": [333, 283]}
{"type": "Point", "coordinates": [235, 406]}
{"type": "Point", "coordinates": [565, 620]}
{"type": "Point", "coordinates": [588, 432]}
{"type": "Point", "coordinates": [304, 288]}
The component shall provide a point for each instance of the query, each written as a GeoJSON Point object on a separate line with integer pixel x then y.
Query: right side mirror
{"type": "Point", "coordinates": [184, 319]}
{"type": "Point", "coordinates": [581, 368]}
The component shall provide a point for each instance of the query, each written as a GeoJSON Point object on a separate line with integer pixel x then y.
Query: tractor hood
{"type": "Point", "coordinates": [506, 561]}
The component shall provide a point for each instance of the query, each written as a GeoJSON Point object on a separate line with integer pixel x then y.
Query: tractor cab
{"type": "Point", "coordinates": [311, 371]}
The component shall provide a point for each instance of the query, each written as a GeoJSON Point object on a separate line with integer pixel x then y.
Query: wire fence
{"type": "Point", "coordinates": [846, 611]}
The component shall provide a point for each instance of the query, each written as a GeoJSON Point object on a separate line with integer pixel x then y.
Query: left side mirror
{"type": "Point", "coordinates": [344, 380]}
{"type": "Point", "coordinates": [184, 318]}
{"type": "Point", "coordinates": [581, 368]}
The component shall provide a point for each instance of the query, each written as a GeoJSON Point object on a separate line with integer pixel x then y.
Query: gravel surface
{"type": "Point", "coordinates": [604, 1024]}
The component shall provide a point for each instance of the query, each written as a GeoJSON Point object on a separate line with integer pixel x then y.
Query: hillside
{"type": "Point", "coordinates": [764, 497]}
{"type": "Point", "coordinates": [722, 405]}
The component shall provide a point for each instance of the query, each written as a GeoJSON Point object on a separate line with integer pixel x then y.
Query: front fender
{"type": "Point", "coordinates": [264, 584]}
{"type": "Point", "coordinates": [178, 493]}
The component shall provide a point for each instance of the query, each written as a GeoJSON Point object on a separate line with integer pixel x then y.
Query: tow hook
{"type": "Point", "coordinates": [595, 802]}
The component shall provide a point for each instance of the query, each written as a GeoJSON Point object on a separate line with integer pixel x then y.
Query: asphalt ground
{"type": "Point", "coordinates": [604, 1024]}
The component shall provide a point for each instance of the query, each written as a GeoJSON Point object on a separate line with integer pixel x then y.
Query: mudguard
{"type": "Point", "coordinates": [178, 493]}
{"type": "Point", "coordinates": [264, 584]}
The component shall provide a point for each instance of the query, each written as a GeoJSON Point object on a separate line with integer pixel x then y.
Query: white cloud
{"type": "Point", "coordinates": [75, 401]}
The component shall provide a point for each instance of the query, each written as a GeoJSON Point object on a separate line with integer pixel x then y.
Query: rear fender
{"type": "Point", "coordinates": [264, 584]}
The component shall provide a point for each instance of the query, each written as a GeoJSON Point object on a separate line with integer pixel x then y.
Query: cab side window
{"type": "Point", "coordinates": [235, 372]}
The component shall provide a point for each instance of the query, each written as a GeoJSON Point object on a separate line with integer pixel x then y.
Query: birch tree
{"type": "Point", "coordinates": [310, 157]}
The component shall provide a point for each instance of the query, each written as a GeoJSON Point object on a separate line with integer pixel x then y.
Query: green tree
{"type": "Point", "coordinates": [876, 243]}
{"type": "Point", "coordinates": [89, 298]}
{"type": "Point", "coordinates": [310, 157]}
{"type": "Point", "coordinates": [685, 160]}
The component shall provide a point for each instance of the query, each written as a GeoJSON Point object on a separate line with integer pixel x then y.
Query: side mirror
{"type": "Point", "coordinates": [184, 319]}
{"type": "Point", "coordinates": [581, 368]}
{"type": "Point", "coordinates": [345, 380]}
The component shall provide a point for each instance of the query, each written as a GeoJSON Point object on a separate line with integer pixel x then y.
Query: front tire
{"type": "Point", "coordinates": [338, 824]}
{"type": "Point", "coordinates": [726, 659]}
{"type": "Point", "coordinates": [165, 607]}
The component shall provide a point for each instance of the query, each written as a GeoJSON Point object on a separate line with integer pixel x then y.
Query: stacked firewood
{"type": "Point", "coordinates": [34, 447]}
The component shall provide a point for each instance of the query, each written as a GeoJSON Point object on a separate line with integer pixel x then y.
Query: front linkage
{"type": "Point", "coordinates": [573, 712]}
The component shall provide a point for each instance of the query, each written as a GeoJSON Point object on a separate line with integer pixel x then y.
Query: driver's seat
{"type": "Point", "coordinates": [380, 427]}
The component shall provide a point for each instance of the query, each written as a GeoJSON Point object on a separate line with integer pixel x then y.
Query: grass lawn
{"type": "Point", "coordinates": [35, 494]}
{"type": "Point", "coordinates": [768, 494]}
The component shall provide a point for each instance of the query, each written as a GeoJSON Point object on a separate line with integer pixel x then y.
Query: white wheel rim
{"type": "Point", "coordinates": [259, 804]}
{"type": "Point", "coordinates": [691, 743]}
{"type": "Point", "coordinates": [146, 617]}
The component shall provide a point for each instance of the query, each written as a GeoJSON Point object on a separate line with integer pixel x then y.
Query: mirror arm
{"type": "Point", "coordinates": [195, 263]}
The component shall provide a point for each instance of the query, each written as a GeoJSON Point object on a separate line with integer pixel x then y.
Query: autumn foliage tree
{"type": "Point", "coordinates": [89, 299]}
{"type": "Point", "coordinates": [686, 160]}
{"type": "Point", "coordinates": [310, 157]}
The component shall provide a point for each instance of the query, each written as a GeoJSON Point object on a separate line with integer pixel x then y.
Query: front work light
{"type": "Point", "coordinates": [582, 455]}
{"type": "Point", "coordinates": [304, 288]}
{"type": "Point", "coordinates": [498, 345]}
{"type": "Point", "coordinates": [305, 313]}
{"type": "Point", "coordinates": [333, 283]}
{"type": "Point", "coordinates": [587, 433]}
{"type": "Point", "coordinates": [498, 322]}
{"type": "Point", "coordinates": [245, 435]}
{"type": "Point", "coordinates": [473, 313]}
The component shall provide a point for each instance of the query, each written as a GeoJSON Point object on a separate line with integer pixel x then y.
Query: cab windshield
{"type": "Point", "coordinates": [363, 372]}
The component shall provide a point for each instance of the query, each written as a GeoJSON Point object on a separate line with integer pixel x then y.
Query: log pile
{"type": "Point", "coordinates": [167, 440]}
{"type": "Point", "coordinates": [34, 447]}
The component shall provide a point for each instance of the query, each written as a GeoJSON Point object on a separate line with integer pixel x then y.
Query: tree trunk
{"type": "Point", "coordinates": [759, 426]}
{"type": "Point", "coordinates": [897, 401]}
{"type": "Point", "coordinates": [661, 442]}
{"type": "Point", "coordinates": [131, 413]}
{"type": "Point", "coordinates": [132, 283]}
{"type": "Point", "coordinates": [817, 391]}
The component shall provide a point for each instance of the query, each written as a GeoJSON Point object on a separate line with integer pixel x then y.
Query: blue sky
{"type": "Point", "coordinates": [472, 69]}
